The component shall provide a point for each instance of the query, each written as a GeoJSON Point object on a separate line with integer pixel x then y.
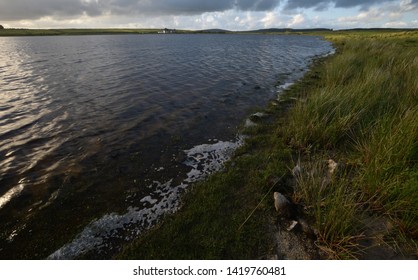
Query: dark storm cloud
{"type": "Point", "coordinates": [34, 9]}
{"type": "Point", "coordinates": [293, 4]}
{"type": "Point", "coordinates": [256, 5]}
{"type": "Point", "coordinates": [202, 6]}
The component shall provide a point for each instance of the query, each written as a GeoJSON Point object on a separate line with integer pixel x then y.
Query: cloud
{"type": "Point", "coordinates": [271, 19]}
{"type": "Point", "coordinates": [297, 20]}
{"type": "Point", "coordinates": [397, 11]}
{"type": "Point", "coordinates": [386, 15]}
{"type": "Point", "coordinates": [372, 15]}
{"type": "Point", "coordinates": [408, 5]}
{"type": "Point", "coordinates": [201, 14]}
{"type": "Point", "coordinates": [27, 9]}
{"type": "Point", "coordinates": [30, 9]}
{"type": "Point", "coordinates": [396, 24]}
{"type": "Point", "coordinates": [322, 4]}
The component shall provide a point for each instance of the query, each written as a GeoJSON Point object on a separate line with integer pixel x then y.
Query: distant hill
{"type": "Point", "coordinates": [213, 31]}
{"type": "Point", "coordinates": [289, 30]}
{"type": "Point", "coordinates": [301, 30]}
{"type": "Point", "coordinates": [268, 30]}
{"type": "Point", "coordinates": [379, 29]}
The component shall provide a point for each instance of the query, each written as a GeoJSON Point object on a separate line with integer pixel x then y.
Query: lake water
{"type": "Point", "coordinates": [99, 135]}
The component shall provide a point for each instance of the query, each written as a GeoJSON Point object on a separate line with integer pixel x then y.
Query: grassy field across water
{"type": "Point", "coordinates": [79, 31]}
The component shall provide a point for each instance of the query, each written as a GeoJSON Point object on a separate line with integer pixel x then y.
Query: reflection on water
{"type": "Point", "coordinates": [105, 130]}
{"type": "Point", "coordinates": [13, 192]}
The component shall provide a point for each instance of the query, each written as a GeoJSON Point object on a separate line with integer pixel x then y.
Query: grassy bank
{"type": "Point", "coordinates": [358, 108]}
{"type": "Point", "coordinates": [364, 115]}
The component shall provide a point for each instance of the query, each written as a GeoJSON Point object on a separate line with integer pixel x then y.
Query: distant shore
{"type": "Point", "coordinates": [340, 145]}
{"type": "Point", "coordinates": [127, 31]}
{"type": "Point", "coordinates": [72, 32]}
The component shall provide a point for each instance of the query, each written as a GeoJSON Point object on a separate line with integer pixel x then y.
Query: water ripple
{"type": "Point", "coordinates": [85, 119]}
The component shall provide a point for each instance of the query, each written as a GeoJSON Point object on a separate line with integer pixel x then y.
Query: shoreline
{"type": "Point", "coordinates": [231, 215]}
{"type": "Point", "coordinates": [17, 32]}
{"type": "Point", "coordinates": [257, 138]}
{"type": "Point", "coordinates": [109, 222]}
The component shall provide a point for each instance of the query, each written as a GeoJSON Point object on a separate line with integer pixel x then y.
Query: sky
{"type": "Point", "coordinates": [203, 14]}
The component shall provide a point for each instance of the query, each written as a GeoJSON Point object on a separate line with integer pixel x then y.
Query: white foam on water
{"type": "Point", "coordinates": [149, 200]}
{"type": "Point", "coordinates": [331, 52]}
{"type": "Point", "coordinates": [132, 223]}
{"type": "Point", "coordinates": [285, 86]}
{"type": "Point", "coordinates": [208, 158]}
{"type": "Point", "coordinates": [165, 199]}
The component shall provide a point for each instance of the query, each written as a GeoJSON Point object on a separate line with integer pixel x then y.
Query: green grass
{"type": "Point", "coordinates": [364, 113]}
{"type": "Point", "coordinates": [360, 108]}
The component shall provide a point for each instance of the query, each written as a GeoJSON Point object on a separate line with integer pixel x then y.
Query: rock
{"type": "Point", "coordinates": [280, 202]}
{"type": "Point", "coordinates": [275, 103]}
{"type": "Point", "coordinates": [292, 225]}
{"type": "Point", "coordinates": [332, 166]}
{"type": "Point", "coordinates": [257, 116]}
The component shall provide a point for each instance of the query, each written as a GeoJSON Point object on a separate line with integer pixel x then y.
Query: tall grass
{"type": "Point", "coordinates": [365, 113]}
{"type": "Point", "coordinates": [335, 227]}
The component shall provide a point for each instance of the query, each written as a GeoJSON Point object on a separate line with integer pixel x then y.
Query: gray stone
{"type": "Point", "coordinates": [280, 202]}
